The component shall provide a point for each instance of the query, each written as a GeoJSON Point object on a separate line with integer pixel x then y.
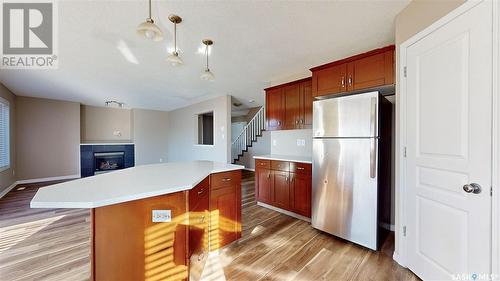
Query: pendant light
{"type": "Point", "coordinates": [149, 29]}
{"type": "Point", "coordinates": [207, 75]}
{"type": "Point", "coordinates": [174, 58]}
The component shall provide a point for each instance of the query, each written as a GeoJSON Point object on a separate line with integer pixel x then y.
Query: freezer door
{"type": "Point", "coordinates": [344, 195]}
{"type": "Point", "coordinates": [349, 116]}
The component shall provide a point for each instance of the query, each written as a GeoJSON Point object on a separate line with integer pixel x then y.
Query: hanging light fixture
{"type": "Point", "coordinates": [174, 58]}
{"type": "Point", "coordinates": [149, 29]}
{"type": "Point", "coordinates": [207, 75]}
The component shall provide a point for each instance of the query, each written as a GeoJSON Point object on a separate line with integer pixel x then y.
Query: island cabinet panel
{"type": "Point", "coordinates": [225, 209]}
{"type": "Point", "coordinates": [289, 106]}
{"type": "Point", "coordinates": [364, 71]}
{"type": "Point", "coordinates": [285, 185]}
{"type": "Point", "coordinates": [127, 244]}
{"type": "Point", "coordinates": [199, 200]}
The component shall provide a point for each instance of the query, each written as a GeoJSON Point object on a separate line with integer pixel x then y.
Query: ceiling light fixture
{"type": "Point", "coordinates": [174, 58]}
{"type": "Point", "coordinates": [113, 103]}
{"type": "Point", "coordinates": [149, 29]}
{"type": "Point", "coordinates": [207, 75]}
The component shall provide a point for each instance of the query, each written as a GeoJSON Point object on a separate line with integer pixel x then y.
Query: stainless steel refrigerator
{"type": "Point", "coordinates": [351, 167]}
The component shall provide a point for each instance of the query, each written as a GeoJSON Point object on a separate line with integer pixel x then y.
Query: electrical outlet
{"type": "Point", "coordinates": [162, 216]}
{"type": "Point", "coordinates": [274, 142]}
{"type": "Point", "coordinates": [301, 142]}
{"type": "Point", "coordinates": [161, 160]}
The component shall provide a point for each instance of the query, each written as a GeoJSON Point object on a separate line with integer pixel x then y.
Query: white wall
{"type": "Point", "coordinates": [261, 147]}
{"type": "Point", "coordinates": [285, 142]}
{"type": "Point", "coordinates": [183, 127]}
{"type": "Point", "coordinates": [150, 135]}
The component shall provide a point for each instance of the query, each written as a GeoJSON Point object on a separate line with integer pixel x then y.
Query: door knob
{"type": "Point", "coordinates": [472, 188]}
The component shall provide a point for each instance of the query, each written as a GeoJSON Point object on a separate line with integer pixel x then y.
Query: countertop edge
{"type": "Point", "coordinates": [283, 158]}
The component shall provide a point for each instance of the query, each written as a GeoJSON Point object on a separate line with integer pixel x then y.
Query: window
{"type": "Point", "coordinates": [206, 128]}
{"type": "Point", "coordinates": [4, 135]}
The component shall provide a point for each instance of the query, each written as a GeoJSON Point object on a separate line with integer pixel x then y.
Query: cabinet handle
{"type": "Point", "coordinates": [296, 121]}
{"type": "Point", "coordinates": [350, 80]}
{"type": "Point", "coordinates": [286, 178]}
{"type": "Point", "coordinates": [226, 179]}
{"type": "Point", "coordinates": [279, 123]}
{"type": "Point", "coordinates": [343, 82]}
{"type": "Point", "coordinates": [201, 256]}
{"type": "Point", "coordinates": [201, 191]}
{"type": "Point", "coordinates": [202, 219]}
{"type": "Point", "coordinates": [300, 168]}
{"type": "Point", "coordinates": [301, 121]}
{"type": "Point", "coordinates": [269, 175]}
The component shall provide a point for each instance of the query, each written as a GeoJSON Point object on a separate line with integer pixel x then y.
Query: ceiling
{"type": "Point", "coordinates": [256, 45]}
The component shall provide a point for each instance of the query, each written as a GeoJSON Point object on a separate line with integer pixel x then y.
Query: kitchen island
{"type": "Point", "coordinates": [154, 222]}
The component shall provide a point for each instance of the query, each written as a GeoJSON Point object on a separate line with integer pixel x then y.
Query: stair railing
{"type": "Point", "coordinates": [249, 134]}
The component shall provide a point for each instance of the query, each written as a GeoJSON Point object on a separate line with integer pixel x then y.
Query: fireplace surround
{"type": "Point", "coordinates": [103, 158]}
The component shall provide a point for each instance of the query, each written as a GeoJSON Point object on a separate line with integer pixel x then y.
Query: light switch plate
{"type": "Point", "coordinates": [274, 142]}
{"type": "Point", "coordinates": [162, 216]}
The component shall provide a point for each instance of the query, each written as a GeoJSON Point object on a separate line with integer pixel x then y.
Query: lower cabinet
{"type": "Point", "coordinates": [285, 185]}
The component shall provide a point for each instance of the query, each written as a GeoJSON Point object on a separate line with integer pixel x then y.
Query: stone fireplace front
{"type": "Point", "coordinates": [98, 159]}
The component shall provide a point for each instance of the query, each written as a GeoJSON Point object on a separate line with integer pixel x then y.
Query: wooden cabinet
{"type": "Point", "coordinates": [283, 184]}
{"type": "Point", "coordinates": [289, 106]}
{"type": "Point", "coordinates": [274, 109]}
{"type": "Point", "coordinates": [363, 71]}
{"type": "Point", "coordinates": [281, 189]}
{"type": "Point", "coordinates": [300, 194]}
{"type": "Point", "coordinates": [199, 218]}
{"type": "Point", "coordinates": [225, 208]}
{"type": "Point", "coordinates": [263, 185]}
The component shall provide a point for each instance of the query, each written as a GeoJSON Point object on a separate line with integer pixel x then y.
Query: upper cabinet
{"type": "Point", "coordinates": [289, 106]}
{"type": "Point", "coordinates": [364, 71]}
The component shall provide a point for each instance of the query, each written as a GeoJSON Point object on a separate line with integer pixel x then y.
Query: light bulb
{"type": "Point", "coordinates": [149, 34]}
{"type": "Point", "coordinates": [207, 75]}
{"type": "Point", "coordinates": [174, 59]}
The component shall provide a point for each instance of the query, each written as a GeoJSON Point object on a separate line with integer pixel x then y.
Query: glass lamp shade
{"type": "Point", "coordinates": [174, 59]}
{"type": "Point", "coordinates": [207, 75]}
{"type": "Point", "coordinates": [149, 30]}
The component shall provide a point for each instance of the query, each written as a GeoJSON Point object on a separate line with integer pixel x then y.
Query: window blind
{"type": "Point", "coordinates": [4, 135]}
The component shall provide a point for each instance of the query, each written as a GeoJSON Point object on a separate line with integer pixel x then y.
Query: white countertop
{"type": "Point", "coordinates": [291, 158]}
{"type": "Point", "coordinates": [128, 184]}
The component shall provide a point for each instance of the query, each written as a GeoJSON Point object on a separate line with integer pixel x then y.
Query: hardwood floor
{"type": "Point", "coordinates": [54, 244]}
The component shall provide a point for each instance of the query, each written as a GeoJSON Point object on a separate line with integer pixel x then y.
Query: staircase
{"type": "Point", "coordinates": [248, 135]}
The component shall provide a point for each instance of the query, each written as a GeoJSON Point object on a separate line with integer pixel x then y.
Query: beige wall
{"type": "Point", "coordinates": [183, 125]}
{"type": "Point", "coordinates": [150, 135]}
{"type": "Point", "coordinates": [47, 138]}
{"type": "Point", "coordinates": [419, 14]}
{"type": "Point", "coordinates": [104, 124]}
{"type": "Point", "coordinates": [7, 177]}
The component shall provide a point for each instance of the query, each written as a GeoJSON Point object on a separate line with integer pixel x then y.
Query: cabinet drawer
{"type": "Point", "coordinates": [300, 168]}
{"type": "Point", "coordinates": [280, 165]}
{"type": "Point", "coordinates": [224, 179]}
{"type": "Point", "coordinates": [260, 163]}
{"type": "Point", "coordinates": [199, 193]}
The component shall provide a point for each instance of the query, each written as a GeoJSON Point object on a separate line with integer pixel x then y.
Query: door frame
{"type": "Point", "coordinates": [401, 250]}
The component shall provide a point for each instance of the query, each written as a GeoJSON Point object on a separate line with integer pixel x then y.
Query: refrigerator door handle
{"type": "Point", "coordinates": [373, 144]}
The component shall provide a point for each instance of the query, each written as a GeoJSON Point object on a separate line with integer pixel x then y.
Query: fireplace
{"type": "Point", "coordinates": [103, 158]}
{"type": "Point", "coordinates": [105, 162]}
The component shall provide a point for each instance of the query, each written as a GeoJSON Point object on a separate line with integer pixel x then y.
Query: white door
{"type": "Point", "coordinates": [448, 141]}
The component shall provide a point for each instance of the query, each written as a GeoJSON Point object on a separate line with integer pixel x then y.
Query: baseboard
{"type": "Point", "coordinates": [16, 183]}
{"type": "Point", "coordinates": [291, 214]}
{"type": "Point", "coordinates": [9, 188]}
{"type": "Point", "coordinates": [69, 177]}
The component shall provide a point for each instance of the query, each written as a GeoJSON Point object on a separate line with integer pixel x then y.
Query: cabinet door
{"type": "Point", "coordinates": [373, 71]}
{"type": "Point", "coordinates": [274, 109]}
{"type": "Point", "coordinates": [292, 96]}
{"type": "Point", "coordinates": [300, 193]}
{"type": "Point", "coordinates": [263, 185]}
{"type": "Point", "coordinates": [306, 105]}
{"type": "Point", "coordinates": [330, 80]}
{"type": "Point", "coordinates": [281, 189]}
{"type": "Point", "coordinates": [225, 204]}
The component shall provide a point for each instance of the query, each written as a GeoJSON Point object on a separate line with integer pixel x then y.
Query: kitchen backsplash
{"type": "Point", "coordinates": [292, 142]}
